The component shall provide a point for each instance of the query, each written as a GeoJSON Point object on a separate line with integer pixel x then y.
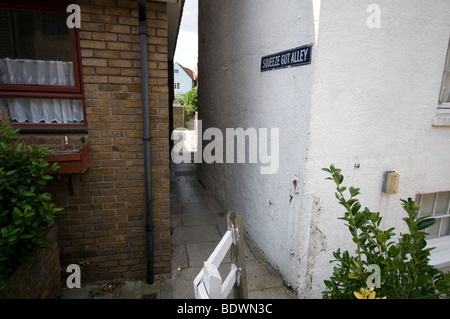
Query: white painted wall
{"type": "Point", "coordinates": [374, 98]}
{"type": "Point", "coordinates": [233, 93]}
{"type": "Point", "coordinates": [368, 97]}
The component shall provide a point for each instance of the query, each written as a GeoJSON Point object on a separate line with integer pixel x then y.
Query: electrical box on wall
{"type": "Point", "coordinates": [391, 180]}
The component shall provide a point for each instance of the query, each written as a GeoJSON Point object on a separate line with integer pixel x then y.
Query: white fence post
{"type": "Point", "coordinates": [212, 280]}
{"type": "Point", "coordinates": [208, 283]}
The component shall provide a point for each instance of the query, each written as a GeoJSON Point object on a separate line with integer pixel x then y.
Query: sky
{"type": "Point", "coordinates": [186, 51]}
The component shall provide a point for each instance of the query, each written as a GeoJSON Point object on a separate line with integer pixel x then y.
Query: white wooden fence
{"type": "Point", "coordinates": [208, 283]}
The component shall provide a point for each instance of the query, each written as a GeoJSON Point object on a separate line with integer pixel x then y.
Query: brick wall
{"type": "Point", "coordinates": [102, 225]}
{"type": "Point", "coordinates": [39, 278]}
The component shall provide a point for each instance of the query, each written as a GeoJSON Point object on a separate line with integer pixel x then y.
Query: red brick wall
{"type": "Point", "coordinates": [39, 278]}
{"type": "Point", "coordinates": [103, 223]}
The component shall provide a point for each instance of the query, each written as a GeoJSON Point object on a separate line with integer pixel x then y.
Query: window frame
{"type": "Point", "coordinates": [439, 256]}
{"type": "Point", "coordinates": [438, 218]}
{"type": "Point", "coordinates": [50, 91]}
{"type": "Point", "coordinates": [445, 104]}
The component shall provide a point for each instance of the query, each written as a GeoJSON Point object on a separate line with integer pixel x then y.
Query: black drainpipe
{"type": "Point", "coordinates": [146, 137]}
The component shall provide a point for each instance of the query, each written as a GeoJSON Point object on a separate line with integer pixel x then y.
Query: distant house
{"type": "Point", "coordinates": [183, 78]}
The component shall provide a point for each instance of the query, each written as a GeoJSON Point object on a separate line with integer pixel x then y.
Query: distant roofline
{"type": "Point", "coordinates": [187, 70]}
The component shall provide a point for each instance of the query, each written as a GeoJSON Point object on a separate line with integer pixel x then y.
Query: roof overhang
{"type": "Point", "coordinates": [174, 13]}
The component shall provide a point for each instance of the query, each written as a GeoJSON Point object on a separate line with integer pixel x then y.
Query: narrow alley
{"type": "Point", "coordinates": [198, 223]}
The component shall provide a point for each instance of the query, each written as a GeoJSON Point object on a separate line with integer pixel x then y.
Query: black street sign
{"type": "Point", "coordinates": [293, 57]}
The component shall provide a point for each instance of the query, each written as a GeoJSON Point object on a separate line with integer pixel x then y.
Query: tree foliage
{"type": "Point", "coordinates": [190, 101]}
{"type": "Point", "coordinates": [25, 208]}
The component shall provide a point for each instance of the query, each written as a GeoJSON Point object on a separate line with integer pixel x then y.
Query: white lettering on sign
{"type": "Point", "coordinates": [299, 56]}
{"type": "Point", "coordinates": [288, 58]}
{"type": "Point", "coordinates": [285, 58]}
{"type": "Point", "coordinates": [271, 62]}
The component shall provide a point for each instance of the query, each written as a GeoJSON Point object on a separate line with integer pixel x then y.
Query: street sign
{"type": "Point", "coordinates": [285, 59]}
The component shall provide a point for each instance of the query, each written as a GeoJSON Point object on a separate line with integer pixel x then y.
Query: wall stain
{"type": "Point", "coordinates": [317, 245]}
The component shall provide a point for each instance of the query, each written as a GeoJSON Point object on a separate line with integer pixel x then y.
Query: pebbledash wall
{"type": "Point", "coordinates": [369, 97]}
{"type": "Point", "coordinates": [102, 227]}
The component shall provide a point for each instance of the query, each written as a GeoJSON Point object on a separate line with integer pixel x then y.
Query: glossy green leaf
{"type": "Point", "coordinates": [425, 223]}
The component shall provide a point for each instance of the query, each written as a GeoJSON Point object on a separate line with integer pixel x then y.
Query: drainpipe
{"type": "Point", "coordinates": [146, 137]}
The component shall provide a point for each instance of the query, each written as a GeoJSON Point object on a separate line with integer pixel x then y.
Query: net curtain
{"type": "Point", "coordinates": [36, 110]}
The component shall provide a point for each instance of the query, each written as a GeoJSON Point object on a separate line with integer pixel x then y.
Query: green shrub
{"type": "Point", "coordinates": [25, 209]}
{"type": "Point", "coordinates": [404, 266]}
{"type": "Point", "coordinates": [190, 101]}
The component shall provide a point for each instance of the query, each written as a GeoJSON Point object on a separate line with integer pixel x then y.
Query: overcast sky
{"type": "Point", "coordinates": [186, 51]}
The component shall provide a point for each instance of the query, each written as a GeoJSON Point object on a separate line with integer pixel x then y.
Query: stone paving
{"type": "Point", "coordinates": [198, 223]}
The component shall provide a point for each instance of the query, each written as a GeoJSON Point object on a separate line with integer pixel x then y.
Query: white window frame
{"type": "Point", "coordinates": [442, 117]}
{"type": "Point", "coordinates": [440, 255]}
{"type": "Point", "coordinates": [177, 85]}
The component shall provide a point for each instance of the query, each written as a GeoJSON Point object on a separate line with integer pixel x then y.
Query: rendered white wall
{"type": "Point", "coordinates": [374, 97]}
{"type": "Point", "coordinates": [233, 93]}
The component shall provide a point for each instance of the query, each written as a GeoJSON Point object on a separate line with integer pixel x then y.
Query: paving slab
{"type": "Point", "coordinates": [78, 293]}
{"type": "Point", "coordinates": [179, 257]}
{"type": "Point", "coordinates": [260, 275]}
{"type": "Point", "coordinates": [198, 253]}
{"type": "Point", "coordinates": [195, 234]}
{"type": "Point", "coordinates": [195, 208]}
{"type": "Point", "coordinates": [131, 290]}
{"type": "Point", "coordinates": [182, 282]}
{"type": "Point", "coordinates": [201, 219]}
{"type": "Point", "coordinates": [272, 293]}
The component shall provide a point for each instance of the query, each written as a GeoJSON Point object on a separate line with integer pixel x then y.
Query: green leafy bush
{"type": "Point", "coordinates": [25, 209]}
{"type": "Point", "coordinates": [190, 101]}
{"type": "Point", "coordinates": [404, 266]}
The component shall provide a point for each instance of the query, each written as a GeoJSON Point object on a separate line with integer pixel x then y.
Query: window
{"type": "Point", "coordinates": [442, 117]}
{"type": "Point", "coordinates": [40, 78]}
{"type": "Point", "coordinates": [436, 205]}
{"type": "Point", "coordinates": [445, 86]}
{"type": "Point", "coordinates": [177, 85]}
{"type": "Point", "coordinates": [176, 71]}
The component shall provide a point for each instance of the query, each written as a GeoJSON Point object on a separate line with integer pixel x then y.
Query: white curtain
{"type": "Point", "coordinates": [36, 110]}
{"type": "Point", "coordinates": [36, 72]}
